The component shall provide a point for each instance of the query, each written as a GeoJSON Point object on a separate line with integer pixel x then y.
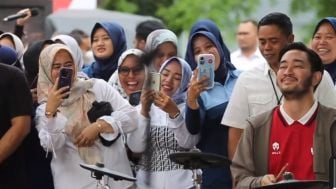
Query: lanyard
{"type": "Point", "coordinates": [274, 89]}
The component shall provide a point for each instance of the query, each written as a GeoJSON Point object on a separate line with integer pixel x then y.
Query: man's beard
{"type": "Point", "coordinates": [299, 91]}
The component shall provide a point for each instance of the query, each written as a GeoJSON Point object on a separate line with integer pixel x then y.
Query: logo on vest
{"type": "Point", "coordinates": [276, 148]}
{"type": "Point", "coordinates": [312, 151]}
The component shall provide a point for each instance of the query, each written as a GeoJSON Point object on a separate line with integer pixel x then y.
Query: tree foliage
{"type": "Point", "coordinates": [322, 8]}
{"type": "Point", "coordinates": [179, 15]}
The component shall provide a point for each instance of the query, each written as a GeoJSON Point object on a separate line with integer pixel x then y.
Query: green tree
{"type": "Point", "coordinates": [182, 14]}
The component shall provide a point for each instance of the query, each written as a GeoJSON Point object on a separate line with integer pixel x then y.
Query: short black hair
{"type": "Point", "coordinates": [279, 19]}
{"type": "Point", "coordinates": [143, 29]}
{"type": "Point", "coordinates": [78, 35]}
{"type": "Point", "coordinates": [313, 58]}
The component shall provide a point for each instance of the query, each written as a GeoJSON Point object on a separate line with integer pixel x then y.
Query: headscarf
{"type": "Point", "coordinates": [7, 55]}
{"type": "Point", "coordinates": [114, 80]}
{"type": "Point", "coordinates": [154, 40]}
{"type": "Point", "coordinates": [75, 107]}
{"type": "Point", "coordinates": [330, 68]}
{"type": "Point", "coordinates": [180, 94]}
{"type": "Point", "coordinates": [224, 66]}
{"type": "Point", "coordinates": [18, 45]}
{"type": "Point", "coordinates": [209, 26]}
{"type": "Point", "coordinates": [31, 60]}
{"type": "Point", "coordinates": [74, 47]}
{"type": "Point", "coordinates": [104, 68]}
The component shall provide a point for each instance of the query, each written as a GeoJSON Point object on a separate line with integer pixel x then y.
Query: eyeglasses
{"type": "Point", "coordinates": [126, 70]}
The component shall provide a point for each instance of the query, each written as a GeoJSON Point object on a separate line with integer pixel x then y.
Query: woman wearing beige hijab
{"type": "Point", "coordinates": [64, 127]}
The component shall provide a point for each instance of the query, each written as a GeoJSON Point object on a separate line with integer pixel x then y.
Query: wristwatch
{"type": "Point", "coordinates": [176, 115]}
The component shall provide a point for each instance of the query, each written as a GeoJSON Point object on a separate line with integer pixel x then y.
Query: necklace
{"type": "Point", "coordinates": [274, 89]}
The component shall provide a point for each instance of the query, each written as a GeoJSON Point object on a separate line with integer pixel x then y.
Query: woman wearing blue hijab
{"type": "Point", "coordinates": [108, 43]}
{"type": "Point", "coordinates": [324, 44]}
{"type": "Point", "coordinates": [205, 107]}
{"type": "Point", "coordinates": [209, 26]}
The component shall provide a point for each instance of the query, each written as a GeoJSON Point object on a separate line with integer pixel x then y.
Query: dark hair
{"type": "Point", "coordinates": [78, 35]}
{"type": "Point", "coordinates": [143, 29]}
{"type": "Point", "coordinates": [250, 21]}
{"type": "Point", "coordinates": [279, 19]}
{"type": "Point", "coordinates": [313, 58]}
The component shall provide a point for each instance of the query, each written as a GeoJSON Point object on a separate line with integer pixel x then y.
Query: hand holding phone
{"type": "Point", "coordinates": [206, 68]}
{"type": "Point", "coordinates": [65, 78]}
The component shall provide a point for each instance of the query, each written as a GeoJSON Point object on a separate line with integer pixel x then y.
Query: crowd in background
{"type": "Point", "coordinates": [265, 95]}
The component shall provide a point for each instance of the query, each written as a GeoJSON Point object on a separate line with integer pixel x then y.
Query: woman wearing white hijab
{"type": "Point", "coordinates": [64, 127]}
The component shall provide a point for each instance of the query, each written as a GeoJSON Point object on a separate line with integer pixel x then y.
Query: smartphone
{"type": "Point", "coordinates": [154, 81]}
{"type": "Point", "coordinates": [206, 67]}
{"type": "Point", "coordinates": [134, 98]}
{"type": "Point", "coordinates": [65, 78]}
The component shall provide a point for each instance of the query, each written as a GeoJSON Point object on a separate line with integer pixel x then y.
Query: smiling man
{"type": "Point", "coordinates": [256, 90]}
{"type": "Point", "coordinates": [267, 146]}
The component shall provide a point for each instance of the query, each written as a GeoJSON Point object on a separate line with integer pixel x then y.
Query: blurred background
{"type": "Point", "coordinates": [61, 16]}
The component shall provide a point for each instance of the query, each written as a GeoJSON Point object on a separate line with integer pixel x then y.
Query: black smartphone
{"type": "Point", "coordinates": [65, 78]}
{"type": "Point", "coordinates": [134, 98]}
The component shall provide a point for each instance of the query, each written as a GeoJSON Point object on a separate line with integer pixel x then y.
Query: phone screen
{"type": "Point", "coordinates": [65, 77]}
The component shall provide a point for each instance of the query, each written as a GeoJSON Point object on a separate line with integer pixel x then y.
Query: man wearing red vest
{"type": "Point", "coordinates": [294, 136]}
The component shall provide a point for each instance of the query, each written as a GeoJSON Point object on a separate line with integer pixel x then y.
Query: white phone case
{"type": "Point", "coordinates": [206, 67]}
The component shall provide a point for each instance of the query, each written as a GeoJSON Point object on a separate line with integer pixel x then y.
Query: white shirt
{"type": "Point", "coordinates": [65, 164]}
{"type": "Point", "coordinates": [241, 62]}
{"type": "Point", "coordinates": [254, 94]}
{"type": "Point", "coordinates": [170, 179]}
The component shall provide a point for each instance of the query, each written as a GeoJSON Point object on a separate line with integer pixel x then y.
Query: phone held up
{"type": "Point", "coordinates": [206, 67]}
{"type": "Point", "coordinates": [65, 77]}
{"type": "Point", "coordinates": [154, 81]}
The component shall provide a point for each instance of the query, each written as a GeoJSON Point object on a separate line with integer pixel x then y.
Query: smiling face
{"type": "Point", "coordinates": [62, 59]}
{"type": "Point", "coordinates": [271, 41]}
{"type": "Point", "coordinates": [102, 45]}
{"type": "Point", "coordinates": [171, 77]}
{"type": "Point", "coordinates": [163, 52]}
{"type": "Point", "coordinates": [203, 45]}
{"type": "Point", "coordinates": [131, 74]}
{"type": "Point", "coordinates": [295, 77]}
{"type": "Point", "coordinates": [324, 43]}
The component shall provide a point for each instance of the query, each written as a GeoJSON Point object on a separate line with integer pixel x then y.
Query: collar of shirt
{"type": "Point", "coordinates": [304, 119]}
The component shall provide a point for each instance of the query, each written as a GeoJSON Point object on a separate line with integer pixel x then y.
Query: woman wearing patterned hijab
{"type": "Point", "coordinates": [160, 45]}
{"type": "Point", "coordinates": [108, 42]}
{"type": "Point", "coordinates": [205, 108]}
{"type": "Point", "coordinates": [324, 44]}
{"type": "Point", "coordinates": [165, 129]}
{"type": "Point", "coordinates": [131, 73]}
{"type": "Point", "coordinates": [64, 127]}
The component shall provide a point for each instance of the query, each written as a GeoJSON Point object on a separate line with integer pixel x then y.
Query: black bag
{"type": "Point", "coordinates": [98, 110]}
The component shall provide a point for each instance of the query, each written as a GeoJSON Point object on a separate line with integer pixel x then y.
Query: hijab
{"type": "Point", "coordinates": [31, 60]}
{"type": "Point", "coordinates": [180, 94]}
{"type": "Point", "coordinates": [114, 80]}
{"type": "Point", "coordinates": [155, 39]}
{"type": "Point", "coordinates": [330, 68]}
{"type": "Point", "coordinates": [74, 47]}
{"type": "Point", "coordinates": [104, 68]}
{"type": "Point", "coordinates": [18, 45]}
{"type": "Point", "coordinates": [224, 66]}
{"type": "Point", "coordinates": [80, 100]}
{"type": "Point", "coordinates": [209, 26]}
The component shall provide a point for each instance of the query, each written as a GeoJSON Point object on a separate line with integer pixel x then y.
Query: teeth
{"type": "Point", "coordinates": [132, 83]}
{"type": "Point", "coordinates": [322, 50]}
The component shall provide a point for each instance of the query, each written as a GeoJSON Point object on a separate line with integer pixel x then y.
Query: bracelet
{"type": "Point", "coordinates": [99, 126]}
{"type": "Point", "coordinates": [50, 114]}
{"type": "Point", "coordinates": [176, 115]}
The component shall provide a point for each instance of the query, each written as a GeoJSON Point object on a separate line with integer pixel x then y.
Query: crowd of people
{"type": "Point", "coordinates": [87, 99]}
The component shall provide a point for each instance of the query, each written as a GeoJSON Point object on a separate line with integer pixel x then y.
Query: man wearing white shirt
{"type": "Point", "coordinates": [248, 54]}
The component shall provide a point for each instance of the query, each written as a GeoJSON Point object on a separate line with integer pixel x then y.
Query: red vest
{"type": "Point", "coordinates": [292, 144]}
